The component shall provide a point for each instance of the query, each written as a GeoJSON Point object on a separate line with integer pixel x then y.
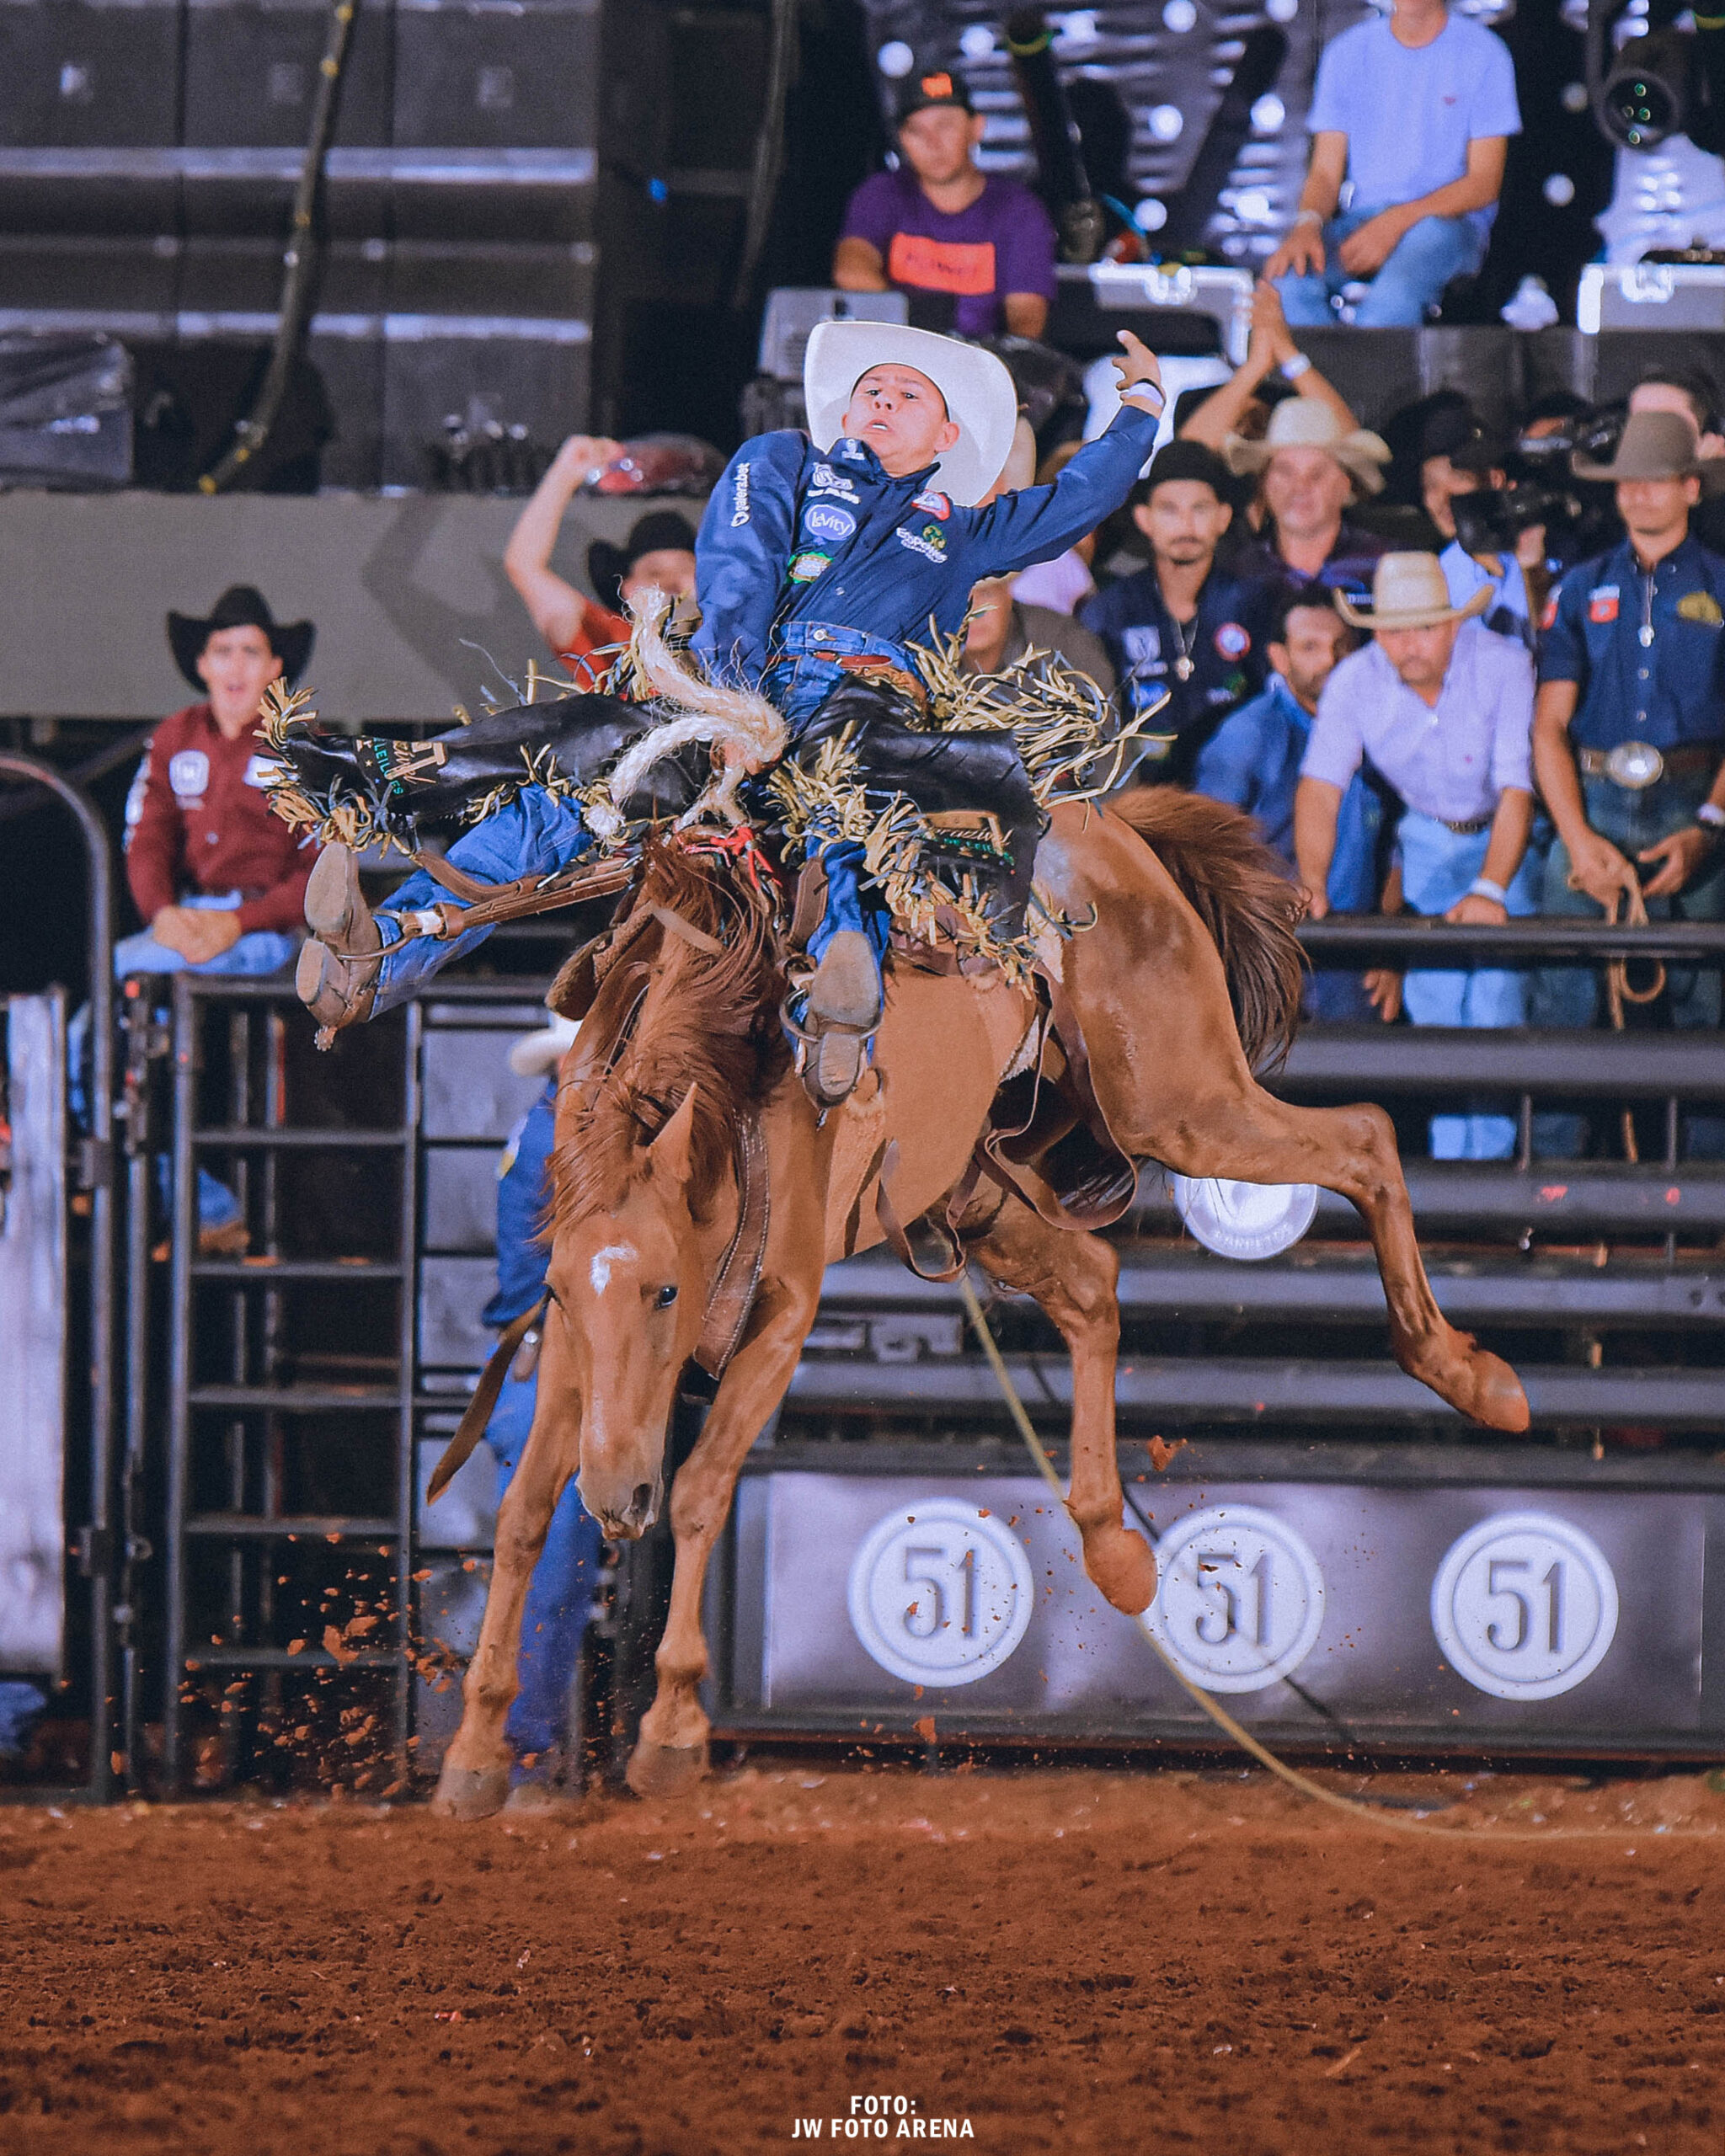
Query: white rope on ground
{"type": "Point", "coordinates": [1396, 1823]}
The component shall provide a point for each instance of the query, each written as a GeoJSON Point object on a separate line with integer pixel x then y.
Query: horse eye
{"type": "Point", "coordinates": [663, 1300]}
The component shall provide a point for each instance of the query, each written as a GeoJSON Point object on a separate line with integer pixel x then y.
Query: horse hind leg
{"type": "Point", "coordinates": [1253, 1137]}
{"type": "Point", "coordinates": [1074, 1278]}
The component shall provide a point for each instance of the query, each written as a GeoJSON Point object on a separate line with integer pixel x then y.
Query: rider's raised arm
{"type": "Point", "coordinates": [741, 553]}
{"type": "Point", "coordinates": [1037, 523]}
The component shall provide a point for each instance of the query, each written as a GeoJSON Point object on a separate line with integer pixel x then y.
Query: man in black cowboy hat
{"type": "Point", "coordinates": [220, 880]}
{"type": "Point", "coordinates": [659, 552]}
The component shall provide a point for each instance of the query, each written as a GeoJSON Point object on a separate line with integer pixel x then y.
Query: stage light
{"type": "Point", "coordinates": [1574, 96]}
{"type": "Point", "coordinates": [1281, 11]}
{"type": "Point", "coordinates": [1559, 190]}
{"type": "Point", "coordinates": [978, 42]}
{"type": "Point", "coordinates": [1179, 16]}
{"type": "Point", "coordinates": [1151, 215]}
{"type": "Point", "coordinates": [1166, 122]}
{"type": "Point", "coordinates": [895, 60]}
{"type": "Point", "coordinates": [1268, 112]}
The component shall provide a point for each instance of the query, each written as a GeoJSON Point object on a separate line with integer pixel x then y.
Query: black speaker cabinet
{"type": "Point", "coordinates": [251, 72]}
{"type": "Point", "coordinates": [74, 76]}
{"type": "Point", "coordinates": [472, 74]}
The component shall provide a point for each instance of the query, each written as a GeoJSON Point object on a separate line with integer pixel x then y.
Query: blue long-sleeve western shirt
{"type": "Point", "coordinates": [795, 535]}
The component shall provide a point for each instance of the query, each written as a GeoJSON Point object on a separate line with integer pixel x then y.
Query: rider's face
{"type": "Point", "coordinates": [901, 416]}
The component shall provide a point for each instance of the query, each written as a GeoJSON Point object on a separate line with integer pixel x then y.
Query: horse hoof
{"type": "Point", "coordinates": [1123, 1566]}
{"type": "Point", "coordinates": [470, 1792]}
{"type": "Point", "coordinates": [665, 1770]}
{"type": "Point", "coordinates": [1499, 1399]}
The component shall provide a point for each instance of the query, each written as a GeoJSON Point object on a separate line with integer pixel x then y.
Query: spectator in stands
{"type": "Point", "coordinates": [1312, 463]}
{"type": "Point", "coordinates": [1456, 459]}
{"type": "Point", "coordinates": [659, 553]}
{"type": "Point", "coordinates": [565, 1577]}
{"type": "Point", "coordinates": [1002, 629]}
{"type": "Point", "coordinates": [1270, 350]}
{"type": "Point", "coordinates": [1181, 629]}
{"type": "Point", "coordinates": [220, 879]}
{"type": "Point", "coordinates": [1253, 760]}
{"type": "Point", "coordinates": [939, 224]}
{"type": "Point", "coordinates": [1692, 394]}
{"type": "Point", "coordinates": [1413, 113]}
{"type": "Point", "coordinates": [1443, 707]}
{"type": "Point", "coordinates": [1629, 733]}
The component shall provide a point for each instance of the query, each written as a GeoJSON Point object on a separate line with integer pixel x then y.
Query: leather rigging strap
{"type": "Point", "coordinates": [484, 905]}
{"type": "Point", "coordinates": [735, 1289]}
{"type": "Point", "coordinates": [478, 1413]}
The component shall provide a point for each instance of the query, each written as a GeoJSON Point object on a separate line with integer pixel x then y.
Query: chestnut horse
{"type": "Point", "coordinates": [682, 1053]}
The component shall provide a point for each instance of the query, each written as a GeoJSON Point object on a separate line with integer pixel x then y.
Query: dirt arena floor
{"type": "Point", "coordinates": [1073, 1961]}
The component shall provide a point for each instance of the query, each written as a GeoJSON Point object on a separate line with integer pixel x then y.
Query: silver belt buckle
{"type": "Point", "coordinates": [1635, 765]}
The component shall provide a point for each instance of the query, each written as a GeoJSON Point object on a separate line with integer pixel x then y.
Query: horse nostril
{"type": "Point", "coordinates": [642, 1503]}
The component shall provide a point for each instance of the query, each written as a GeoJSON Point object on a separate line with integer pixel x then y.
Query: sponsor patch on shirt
{"type": "Point", "coordinates": [931, 542]}
{"type": "Point", "coordinates": [1602, 603]}
{"type": "Point", "coordinates": [1233, 641]}
{"type": "Point", "coordinates": [936, 502]}
{"type": "Point", "coordinates": [824, 480]}
{"type": "Point", "coordinates": [826, 521]}
{"type": "Point", "coordinates": [189, 775]}
{"type": "Point", "coordinates": [851, 450]}
{"type": "Point", "coordinates": [1699, 606]}
{"type": "Point", "coordinates": [941, 265]}
{"type": "Point", "coordinates": [262, 771]}
{"type": "Point", "coordinates": [1142, 645]}
{"type": "Point", "coordinates": [806, 567]}
{"type": "Point", "coordinates": [739, 497]}
{"type": "Point", "coordinates": [1548, 620]}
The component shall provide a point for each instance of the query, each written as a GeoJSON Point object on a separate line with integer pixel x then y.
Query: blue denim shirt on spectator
{"type": "Point", "coordinates": [1646, 649]}
{"type": "Point", "coordinates": [1224, 644]}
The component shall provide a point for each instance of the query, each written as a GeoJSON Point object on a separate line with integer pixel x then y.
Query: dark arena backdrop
{"type": "Point", "coordinates": [1038, 1901]}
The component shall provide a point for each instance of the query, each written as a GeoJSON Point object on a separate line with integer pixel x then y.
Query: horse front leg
{"type": "Point", "coordinates": [1074, 1278]}
{"type": "Point", "coordinates": [475, 1778]}
{"type": "Point", "coordinates": [671, 1752]}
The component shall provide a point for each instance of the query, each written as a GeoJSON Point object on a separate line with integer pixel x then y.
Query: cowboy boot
{"type": "Point", "coordinates": [336, 977]}
{"type": "Point", "coordinates": [844, 1010]}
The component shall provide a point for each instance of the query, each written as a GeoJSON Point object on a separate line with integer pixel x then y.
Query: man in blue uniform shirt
{"type": "Point", "coordinates": [1253, 760]}
{"type": "Point", "coordinates": [1629, 733]}
{"type": "Point", "coordinates": [817, 560]}
{"type": "Point", "coordinates": [1181, 629]}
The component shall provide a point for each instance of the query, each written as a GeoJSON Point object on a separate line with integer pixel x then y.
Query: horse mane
{"type": "Point", "coordinates": [1240, 890]}
{"type": "Point", "coordinates": [702, 1019]}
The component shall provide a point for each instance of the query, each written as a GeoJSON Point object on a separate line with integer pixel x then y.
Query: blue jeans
{"type": "Point", "coordinates": [803, 669]}
{"type": "Point", "coordinates": [258, 951]}
{"type": "Point", "coordinates": [1411, 282]}
{"type": "Point", "coordinates": [1569, 995]}
{"type": "Point", "coordinates": [1437, 866]}
{"type": "Point", "coordinates": [559, 1596]}
{"type": "Point", "coordinates": [535, 835]}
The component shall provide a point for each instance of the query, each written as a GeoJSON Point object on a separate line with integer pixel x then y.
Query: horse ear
{"type": "Point", "coordinates": [672, 1152]}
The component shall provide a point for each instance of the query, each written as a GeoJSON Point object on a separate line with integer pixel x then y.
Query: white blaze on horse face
{"type": "Point", "coordinates": [600, 1270]}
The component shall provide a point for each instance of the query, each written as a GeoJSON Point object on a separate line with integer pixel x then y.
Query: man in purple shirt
{"type": "Point", "coordinates": [940, 225]}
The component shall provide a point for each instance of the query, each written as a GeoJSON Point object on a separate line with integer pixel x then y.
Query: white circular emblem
{"type": "Point", "coordinates": [1240, 1601]}
{"type": "Point", "coordinates": [1244, 1220]}
{"type": "Point", "coordinates": [188, 772]}
{"type": "Point", "coordinates": [939, 1593]}
{"type": "Point", "coordinates": [1524, 1606]}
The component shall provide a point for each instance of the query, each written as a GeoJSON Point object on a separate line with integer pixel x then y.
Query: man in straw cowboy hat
{"type": "Point", "coordinates": [1629, 729]}
{"type": "Point", "coordinates": [1443, 707]}
{"type": "Point", "coordinates": [1312, 468]}
{"type": "Point", "coordinates": [816, 559]}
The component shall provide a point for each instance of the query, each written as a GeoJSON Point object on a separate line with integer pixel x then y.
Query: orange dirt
{"type": "Point", "coordinates": [1072, 1962]}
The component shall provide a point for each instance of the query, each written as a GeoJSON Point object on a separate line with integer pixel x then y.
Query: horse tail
{"type": "Point", "coordinates": [1240, 890]}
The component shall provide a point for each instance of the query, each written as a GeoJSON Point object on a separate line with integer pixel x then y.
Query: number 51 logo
{"type": "Point", "coordinates": [1524, 1606]}
{"type": "Point", "coordinates": [941, 1593]}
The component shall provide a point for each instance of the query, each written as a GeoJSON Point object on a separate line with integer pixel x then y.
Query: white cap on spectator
{"type": "Point", "coordinates": [536, 1055]}
{"type": "Point", "coordinates": [980, 398]}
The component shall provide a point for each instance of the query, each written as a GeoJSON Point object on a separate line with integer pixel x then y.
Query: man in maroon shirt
{"type": "Point", "coordinates": [220, 880]}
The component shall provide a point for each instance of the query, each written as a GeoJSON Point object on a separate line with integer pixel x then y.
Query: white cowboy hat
{"type": "Point", "coordinates": [1409, 592]}
{"type": "Point", "coordinates": [536, 1055]}
{"type": "Point", "coordinates": [1302, 422]}
{"type": "Point", "coordinates": [979, 393]}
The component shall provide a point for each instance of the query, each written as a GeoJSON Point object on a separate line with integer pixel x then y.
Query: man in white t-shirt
{"type": "Point", "coordinates": [1413, 113]}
